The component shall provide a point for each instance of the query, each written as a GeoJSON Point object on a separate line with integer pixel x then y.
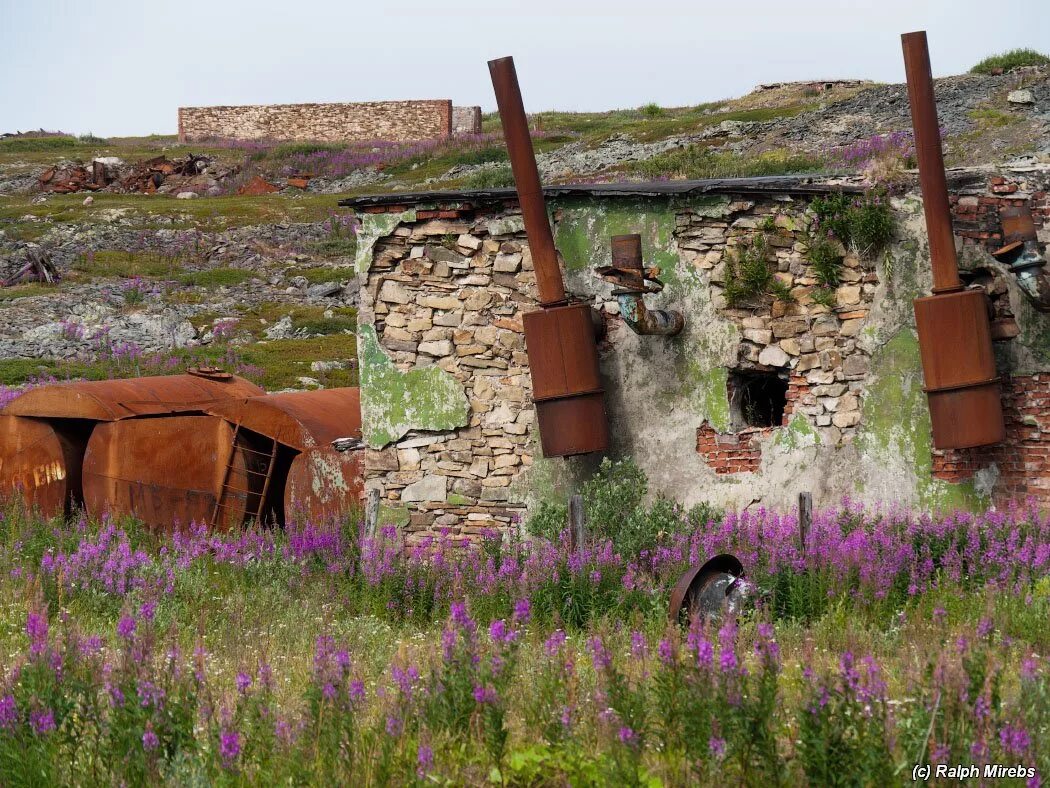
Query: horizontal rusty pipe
{"type": "Point", "coordinates": [632, 283]}
{"type": "Point", "coordinates": [1026, 260]}
{"type": "Point", "coordinates": [931, 163]}
{"type": "Point", "coordinates": [527, 180]}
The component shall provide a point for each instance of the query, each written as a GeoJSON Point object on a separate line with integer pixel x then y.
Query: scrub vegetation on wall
{"type": "Point", "coordinates": [749, 274]}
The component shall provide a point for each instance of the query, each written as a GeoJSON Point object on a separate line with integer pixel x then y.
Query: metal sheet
{"type": "Point", "coordinates": [168, 470]}
{"type": "Point", "coordinates": [40, 461]}
{"type": "Point", "coordinates": [322, 483]}
{"type": "Point", "coordinates": [301, 419]}
{"type": "Point", "coordinates": [563, 356]}
{"type": "Point", "coordinates": [109, 400]}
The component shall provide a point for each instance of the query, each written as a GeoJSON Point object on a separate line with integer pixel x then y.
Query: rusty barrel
{"type": "Point", "coordinates": [40, 461]}
{"type": "Point", "coordinates": [322, 484]}
{"type": "Point", "coordinates": [962, 385]}
{"type": "Point", "coordinates": [169, 470]}
{"type": "Point", "coordinates": [566, 384]}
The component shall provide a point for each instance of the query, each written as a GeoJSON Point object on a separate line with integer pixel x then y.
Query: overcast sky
{"type": "Point", "coordinates": [122, 67]}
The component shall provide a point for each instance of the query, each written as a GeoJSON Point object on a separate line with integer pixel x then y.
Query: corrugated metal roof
{"type": "Point", "coordinates": [778, 184]}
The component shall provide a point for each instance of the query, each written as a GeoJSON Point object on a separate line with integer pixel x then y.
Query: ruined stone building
{"type": "Point", "coordinates": [391, 121]}
{"type": "Point", "coordinates": [749, 405]}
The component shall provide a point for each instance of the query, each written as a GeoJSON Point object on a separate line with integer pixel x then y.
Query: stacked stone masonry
{"type": "Point", "coordinates": [394, 121]}
{"type": "Point", "coordinates": [447, 286]}
{"type": "Point", "coordinates": [449, 289]}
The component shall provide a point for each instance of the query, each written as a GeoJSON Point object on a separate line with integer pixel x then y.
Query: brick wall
{"type": "Point", "coordinates": [741, 451]}
{"type": "Point", "coordinates": [395, 121]}
{"type": "Point", "coordinates": [1023, 459]}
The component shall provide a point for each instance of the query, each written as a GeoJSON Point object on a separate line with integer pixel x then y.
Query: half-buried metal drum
{"type": "Point", "coordinates": [170, 471]}
{"type": "Point", "coordinates": [41, 462]}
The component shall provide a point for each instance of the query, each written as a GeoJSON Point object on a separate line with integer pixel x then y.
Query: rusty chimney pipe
{"type": "Point", "coordinates": [527, 180]}
{"type": "Point", "coordinates": [955, 343]}
{"type": "Point", "coordinates": [931, 163]}
{"type": "Point", "coordinates": [559, 338]}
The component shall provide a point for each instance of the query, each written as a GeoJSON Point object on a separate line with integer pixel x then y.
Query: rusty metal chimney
{"type": "Point", "coordinates": [955, 343]}
{"type": "Point", "coordinates": [559, 339]}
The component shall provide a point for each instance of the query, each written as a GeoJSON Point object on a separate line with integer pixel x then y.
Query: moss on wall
{"type": "Point", "coordinates": [394, 402]}
{"type": "Point", "coordinates": [896, 426]}
{"type": "Point", "coordinates": [373, 227]}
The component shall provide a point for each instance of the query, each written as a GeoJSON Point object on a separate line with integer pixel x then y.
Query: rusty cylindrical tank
{"type": "Point", "coordinates": [45, 430]}
{"type": "Point", "coordinates": [168, 470]}
{"type": "Point", "coordinates": [955, 343]}
{"type": "Point", "coordinates": [40, 461]}
{"type": "Point", "coordinates": [559, 339]}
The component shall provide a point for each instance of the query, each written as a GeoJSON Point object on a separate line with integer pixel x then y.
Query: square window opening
{"type": "Point", "coordinates": [756, 399]}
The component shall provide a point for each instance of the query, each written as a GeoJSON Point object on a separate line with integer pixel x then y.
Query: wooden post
{"type": "Point", "coordinates": [372, 514]}
{"type": "Point", "coordinates": [805, 519]}
{"type": "Point", "coordinates": [576, 521]}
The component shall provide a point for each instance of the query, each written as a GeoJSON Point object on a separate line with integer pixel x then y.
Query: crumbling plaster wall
{"type": "Point", "coordinates": [857, 420]}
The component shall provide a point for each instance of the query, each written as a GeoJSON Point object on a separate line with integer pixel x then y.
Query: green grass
{"type": "Point", "coordinates": [109, 263]}
{"type": "Point", "coordinates": [211, 214]}
{"type": "Point", "coordinates": [286, 360]}
{"type": "Point", "coordinates": [699, 162]}
{"type": "Point", "coordinates": [37, 144]}
{"type": "Point", "coordinates": [215, 277]}
{"type": "Point", "coordinates": [989, 117]}
{"type": "Point", "coordinates": [490, 179]}
{"type": "Point", "coordinates": [1008, 61]}
{"type": "Point", "coordinates": [27, 291]}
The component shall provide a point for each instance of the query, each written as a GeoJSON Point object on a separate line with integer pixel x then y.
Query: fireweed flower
{"type": "Point", "coordinates": [244, 681]}
{"type": "Point", "coordinates": [1014, 739]}
{"type": "Point", "coordinates": [126, 627]}
{"type": "Point", "coordinates": [600, 656]}
{"type": "Point", "coordinates": [36, 629]}
{"type": "Point", "coordinates": [42, 721]}
{"type": "Point", "coordinates": [484, 694]}
{"type": "Point", "coordinates": [554, 643]}
{"type": "Point", "coordinates": [8, 712]}
{"type": "Point", "coordinates": [628, 736]}
{"type": "Point", "coordinates": [149, 738]}
{"type": "Point", "coordinates": [638, 645]}
{"type": "Point", "coordinates": [522, 612]}
{"type": "Point", "coordinates": [717, 747]}
{"type": "Point", "coordinates": [229, 746]}
{"type": "Point", "coordinates": [425, 760]}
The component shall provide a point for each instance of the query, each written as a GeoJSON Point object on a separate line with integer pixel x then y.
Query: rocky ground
{"type": "Point", "coordinates": [234, 272]}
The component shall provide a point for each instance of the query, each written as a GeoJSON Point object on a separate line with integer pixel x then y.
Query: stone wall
{"type": "Point", "coordinates": [444, 288]}
{"type": "Point", "coordinates": [395, 121]}
{"type": "Point", "coordinates": [466, 120]}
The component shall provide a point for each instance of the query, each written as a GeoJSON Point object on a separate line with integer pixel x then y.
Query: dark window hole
{"type": "Point", "coordinates": [757, 399]}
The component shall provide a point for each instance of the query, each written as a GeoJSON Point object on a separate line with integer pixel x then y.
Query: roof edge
{"type": "Point", "coordinates": [816, 183]}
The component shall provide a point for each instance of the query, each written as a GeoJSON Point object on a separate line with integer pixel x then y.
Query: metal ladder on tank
{"type": "Point", "coordinates": [271, 460]}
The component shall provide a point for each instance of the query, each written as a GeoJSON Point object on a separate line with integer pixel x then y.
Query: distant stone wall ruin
{"type": "Point", "coordinates": [393, 121]}
{"type": "Point", "coordinates": [466, 120]}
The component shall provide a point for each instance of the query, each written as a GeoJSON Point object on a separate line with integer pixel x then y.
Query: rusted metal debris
{"type": "Point", "coordinates": [205, 447]}
{"type": "Point", "coordinates": [710, 592]}
{"type": "Point", "coordinates": [145, 177]}
{"type": "Point", "coordinates": [632, 282]}
{"type": "Point", "coordinates": [560, 338]}
{"type": "Point", "coordinates": [38, 268]}
{"type": "Point", "coordinates": [955, 342]}
{"type": "Point", "coordinates": [1024, 256]}
{"type": "Point", "coordinates": [256, 186]}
